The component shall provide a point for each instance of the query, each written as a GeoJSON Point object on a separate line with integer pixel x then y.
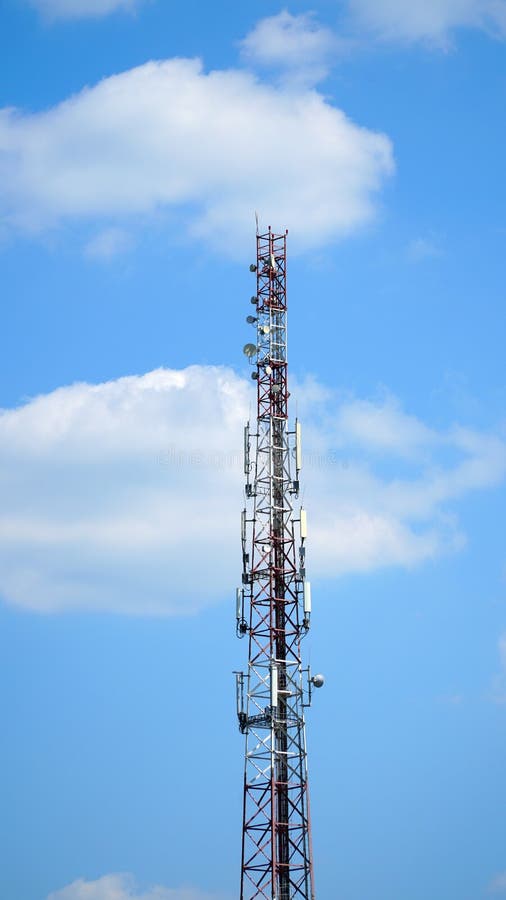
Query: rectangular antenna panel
{"type": "Point", "coordinates": [298, 446]}
{"type": "Point", "coordinates": [307, 598]}
{"type": "Point", "coordinates": [303, 523]}
{"type": "Point", "coordinates": [246, 449]}
{"type": "Point", "coordinates": [274, 685]}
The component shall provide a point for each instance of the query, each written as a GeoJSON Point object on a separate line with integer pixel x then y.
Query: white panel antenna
{"type": "Point", "coordinates": [246, 450]}
{"type": "Point", "coordinates": [307, 598]}
{"type": "Point", "coordinates": [274, 685]}
{"type": "Point", "coordinates": [298, 447]}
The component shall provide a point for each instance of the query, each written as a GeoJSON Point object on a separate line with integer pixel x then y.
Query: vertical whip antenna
{"type": "Point", "coordinates": [273, 609]}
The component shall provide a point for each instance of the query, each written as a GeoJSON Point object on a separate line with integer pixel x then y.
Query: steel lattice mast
{"type": "Point", "coordinates": [273, 609]}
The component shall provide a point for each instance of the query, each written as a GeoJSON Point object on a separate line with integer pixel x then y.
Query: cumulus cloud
{"type": "Point", "coordinates": [122, 491]}
{"type": "Point", "coordinates": [215, 146]}
{"type": "Point", "coordinates": [296, 44]}
{"type": "Point", "coordinates": [123, 887]}
{"type": "Point", "coordinates": [428, 20]}
{"type": "Point", "coordinates": [125, 496]}
{"type": "Point", "coordinates": [81, 9]}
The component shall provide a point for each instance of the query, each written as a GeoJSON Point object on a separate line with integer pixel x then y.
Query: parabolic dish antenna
{"type": "Point", "coordinates": [249, 350]}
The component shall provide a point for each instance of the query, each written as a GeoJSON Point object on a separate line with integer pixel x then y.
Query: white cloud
{"type": "Point", "coordinates": [214, 146]}
{"type": "Point", "coordinates": [428, 20]}
{"type": "Point", "coordinates": [121, 491]}
{"type": "Point", "coordinates": [294, 43]}
{"type": "Point", "coordinates": [108, 244]}
{"type": "Point", "coordinates": [123, 887]}
{"type": "Point", "coordinates": [81, 9]}
{"type": "Point", "coordinates": [125, 496]}
{"type": "Point", "coordinates": [383, 426]}
{"type": "Point", "coordinates": [387, 493]}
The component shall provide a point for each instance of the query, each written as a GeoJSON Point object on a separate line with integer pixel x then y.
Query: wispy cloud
{"type": "Point", "coordinates": [123, 887]}
{"type": "Point", "coordinates": [431, 21]}
{"type": "Point", "coordinates": [112, 491]}
{"type": "Point", "coordinates": [297, 45]}
{"type": "Point", "coordinates": [422, 248]}
{"type": "Point", "coordinates": [108, 244]}
{"type": "Point", "coordinates": [392, 501]}
{"type": "Point", "coordinates": [133, 146]}
{"type": "Point", "coordinates": [498, 884]}
{"type": "Point", "coordinates": [82, 9]}
{"type": "Point", "coordinates": [383, 426]}
{"type": "Point", "coordinates": [499, 682]}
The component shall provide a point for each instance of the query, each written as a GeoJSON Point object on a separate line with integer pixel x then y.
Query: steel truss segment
{"type": "Point", "coordinates": [276, 855]}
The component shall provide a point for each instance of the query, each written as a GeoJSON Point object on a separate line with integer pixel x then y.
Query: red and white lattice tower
{"type": "Point", "coordinates": [273, 610]}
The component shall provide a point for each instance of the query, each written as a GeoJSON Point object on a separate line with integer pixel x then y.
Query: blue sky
{"type": "Point", "coordinates": [137, 140]}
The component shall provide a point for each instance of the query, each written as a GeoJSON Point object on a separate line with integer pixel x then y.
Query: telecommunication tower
{"type": "Point", "coordinates": [273, 611]}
